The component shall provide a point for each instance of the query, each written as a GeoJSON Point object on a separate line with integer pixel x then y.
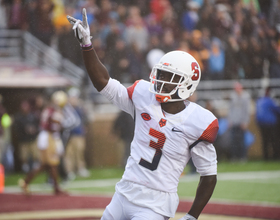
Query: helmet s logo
{"type": "Point", "coordinates": [146, 116]}
{"type": "Point", "coordinates": [195, 70]}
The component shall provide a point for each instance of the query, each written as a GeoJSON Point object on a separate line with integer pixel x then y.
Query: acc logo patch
{"type": "Point", "coordinates": [146, 116]}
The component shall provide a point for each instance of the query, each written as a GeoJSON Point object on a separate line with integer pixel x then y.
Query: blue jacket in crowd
{"type": "Point", "coordinates": [267, 111]}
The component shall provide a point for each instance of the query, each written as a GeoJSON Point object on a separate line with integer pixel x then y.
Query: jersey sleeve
{"type": "Point", "coordinates": [204, 158]}
{"type": "Point", "coordinates": [115, 92]}
{"type": "Point", "coordinates": [210, 133]}
{"type": "Point", "coordinates": [203, 152]}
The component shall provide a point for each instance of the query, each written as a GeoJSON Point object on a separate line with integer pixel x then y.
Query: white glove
{"type": "Point", "coordinates": [81, 29]}
{"type": "Point", "coordinates": [188, 217]}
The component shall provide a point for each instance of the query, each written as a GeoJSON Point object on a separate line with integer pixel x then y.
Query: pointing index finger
{"type": "Point", "coordinates": [85, 23]}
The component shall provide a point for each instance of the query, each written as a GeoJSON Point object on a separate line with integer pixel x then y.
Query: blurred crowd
{"type": "Point", "coordinates": [231, 39]}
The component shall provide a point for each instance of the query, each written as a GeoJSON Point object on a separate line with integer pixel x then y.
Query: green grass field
{"type": "Point", "coordinates": [254, 181]}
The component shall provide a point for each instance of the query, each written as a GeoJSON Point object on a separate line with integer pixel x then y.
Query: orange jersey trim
{"type": "Point", "coordinates": [131, 88]}
{"type": "Point", "coordinates": [211, 132]}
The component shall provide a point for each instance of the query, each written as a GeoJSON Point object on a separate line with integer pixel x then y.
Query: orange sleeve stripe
{"type": "Point", "coordinates": [131, 88]}
{"type": "Point", "coordinates": [210, 132]}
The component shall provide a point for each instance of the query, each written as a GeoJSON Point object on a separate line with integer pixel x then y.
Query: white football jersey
{"type": "Point", "coordinates": [163, 143]}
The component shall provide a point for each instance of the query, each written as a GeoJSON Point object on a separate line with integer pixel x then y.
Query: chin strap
{"type": "Point", "coordinates": [162, 99]}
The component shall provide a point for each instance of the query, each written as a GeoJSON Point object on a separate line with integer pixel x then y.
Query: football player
{"type": "Point", "coordinates": [170, 130]}
{"type": "Point", "coordinates": [49, 143]}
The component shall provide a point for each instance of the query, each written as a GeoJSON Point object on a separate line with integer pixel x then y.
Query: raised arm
{"type": "Point", "coordinates": [95, 69]}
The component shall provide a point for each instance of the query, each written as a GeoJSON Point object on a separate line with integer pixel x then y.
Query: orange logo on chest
{"type": "Point", "coordinates": [146, 116]}
{"type": "Point", "coordinates": [162, 122]}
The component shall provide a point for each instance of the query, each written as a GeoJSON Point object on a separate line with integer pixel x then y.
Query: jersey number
{"type": "Point", "coordinates": [156, 145]}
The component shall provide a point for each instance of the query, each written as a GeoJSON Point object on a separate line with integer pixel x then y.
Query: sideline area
{"type": "Point", "coordinates": [42, 206]}
{"type": "Point", "coordinates": [47, 207]}
{"type": "Point", "coordinates": [89, 213]}
{"type": "Point", "coordinates": [83, 206]}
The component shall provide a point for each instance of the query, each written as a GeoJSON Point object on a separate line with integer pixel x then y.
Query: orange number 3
{"type": "Point", "coordinates": [156, 145]}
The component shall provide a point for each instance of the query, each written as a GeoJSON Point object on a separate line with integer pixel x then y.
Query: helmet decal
{"type": "Point", "coordinates": [196, 72]}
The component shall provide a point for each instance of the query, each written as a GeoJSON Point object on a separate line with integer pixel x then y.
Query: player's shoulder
{"type": "Point", "coordinates": [204, 123]}
{"type": "Point", "coordinates": [202, 113]}
{"type": "Point", "coordinates": [141, 84]}
{"type": "Point", "coordinates": [138, 88]}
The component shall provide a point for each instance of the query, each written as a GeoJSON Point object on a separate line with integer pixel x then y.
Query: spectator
{"type": "Point", "coordinates": [170, 22]}
{"type": "Point", "coordinates": [17, 16]}
{"type": "Point", "coordinates": [268, 118]}
{"type": "Point", "coordinates": [206, 15]}
{"type": "Point", "coordinates": [2, 138]}
{"type": "Point", "coordinates": [199, 51]}
{"type": "Point", "coordinates": [64, 34]}
{"type": "Point", "coordinates": [168, 41]}
{"type": "Point", "coordinates": [122, 12]}
{"type": "Point", "coordinates": [265, 6]}
{"type": "Point", "coordinates": [26, 126]}
{"type": "Point", "coordinates": [70, 120]}
{"type": "Point", "coordinates": [243, 55]}
{"type": "Point", "coordinates": [216, 62]}
{"type": "Point", "coordinates": [75, 149]}
{"type": "Point", "coordinates": [136, 33]}
{"type": "Point", "coordinates": [190, 17]}
{"type": "Point", "coordinates": [231, 50]}
{"type": "Point", "coordinates": [120, 62]}
{"type": "Point", "coordinates": [257, 55]}
{"type": "Point", "coordinates": [222, 22]}
{"type": "Point", "coordinates": [124, 128]}
{"type": "Point", "coordinates": [238, 119]}
{"type": "Point", "coordinates": [274, 15]}
{"type": "Point", "coordinates": [32, 16]}
{"type": "Point", "coordinates": [136, 60]}
{"type": "Point", "coordinates": [103, 14]}
{"type": "Point", "coordinates": [49, 143]}
{"type": "Point", "coordinates": [154, 42]}
{"type": "Point", "coordinates": [45, 27]}
{"type": "Point", "coordinates": [184, 46]}
{"type": "Point", "coordinates": [154, 27]}
{"type": "Point", "coordinates": [159, 7]}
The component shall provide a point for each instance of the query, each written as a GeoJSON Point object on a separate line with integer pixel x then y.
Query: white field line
{"type": "Point", "coordinates": [28, 215]}
{"type": "Point", "coordinates": [69, 185]}
{"type": "Point", "coordinates": [258, 175]}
